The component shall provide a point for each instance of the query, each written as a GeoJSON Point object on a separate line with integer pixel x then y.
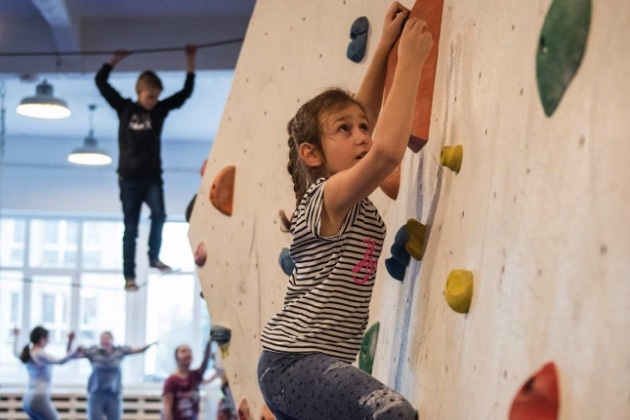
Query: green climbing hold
{"type": "Point", "coordinates": [560, 49]}
{"type": "Point", "coordinates": [368, 348]}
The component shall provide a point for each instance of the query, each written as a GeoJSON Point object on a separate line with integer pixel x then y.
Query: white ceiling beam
{"type": "Point", "coordinates": [64, 29]}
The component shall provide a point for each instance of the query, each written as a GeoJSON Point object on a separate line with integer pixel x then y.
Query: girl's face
{"type": "Point", "coordinates": [346, 138]}
{"type": "Point", "coordinates": [43, 341]}
{"type": "Point", "coordinates": [184, 355]}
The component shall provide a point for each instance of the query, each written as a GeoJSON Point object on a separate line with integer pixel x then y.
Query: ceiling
{"type": "Point", "coordinates": [66, 42]}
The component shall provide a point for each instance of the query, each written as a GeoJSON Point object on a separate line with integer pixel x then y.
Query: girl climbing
{"type": "Point", "coordinates": [305, 370]}
{"type": "Point", "coordinates": [37, 403]}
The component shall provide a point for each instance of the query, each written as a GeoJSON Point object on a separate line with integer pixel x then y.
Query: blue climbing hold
{"type": "Point", "coordinates": [398, 249]}
{"type": "Point", "coordinates": [395, 268]}
{"type": "Point", "coordinates": [285, 261]}
{"type": "Point", "coordinates": [358, 34]}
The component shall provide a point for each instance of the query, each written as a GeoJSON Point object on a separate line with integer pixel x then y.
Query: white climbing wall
{"type": "Point", "coordinates": [539, 211]}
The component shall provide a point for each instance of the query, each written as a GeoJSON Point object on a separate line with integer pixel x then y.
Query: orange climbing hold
{"type": "Point", "coordinates": [222, 191]}
{"type": "Point", "coordinates": [265, 413]}
{"type": "Point", "coordinates": [431, 12]}
{"type": "Point", "coordinates": [538, 397]}
{"type": "Point", "coordinates": [391, 184]}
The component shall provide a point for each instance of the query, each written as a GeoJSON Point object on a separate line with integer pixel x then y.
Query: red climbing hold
{"type": "Point", "coordinates": [538, 397]}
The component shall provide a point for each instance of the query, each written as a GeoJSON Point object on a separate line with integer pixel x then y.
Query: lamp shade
{"type": "Point", "coordinates": [43, 104]}
{"type": "Point", "coordinates": [89, 154]}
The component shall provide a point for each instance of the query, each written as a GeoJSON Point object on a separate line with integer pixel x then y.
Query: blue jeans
{"type": "Point", "coordinates": [132, 194]}
{"type": "Point", "coordinates": [104, 404]}
{"type": "Point", "coordinates": [314, 386]}
{"type": "Point", "coordinates": [39, 407]}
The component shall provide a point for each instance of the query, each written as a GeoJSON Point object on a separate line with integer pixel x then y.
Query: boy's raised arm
{"type": "Point", "coordinates": [191, 54]}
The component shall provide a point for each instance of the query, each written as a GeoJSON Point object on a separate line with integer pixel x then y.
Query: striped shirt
{"type": "Point", "coordinates": [327, 303]}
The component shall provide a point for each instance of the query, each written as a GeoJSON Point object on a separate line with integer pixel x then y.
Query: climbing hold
{"type": "Point", "coordinates": [265, 413]}
{"type": "Point", "coordinates": [430, 12]}
{"type": "Point", "coordinates": [395, 268]}
{"type": "Point", "coordinates": [459, 290]}
{"type": "Point", "coordinates": [286, 262]}
{"type": "Point", "coordinates": [222, 336]}
{"type": "Point", "coordinates": [358, 34]}
{"type": "Point", "coordinates": [201, 254]}
{"type": "Point", "coordinates": [222, 192]}
{"type": "Point", "coordinates": [451, 157]}
{"type": "Point", "coordinates": [538, 397]}
{"type": "Point", "coordinates": [368, 348]}
{"type": "Point", "coordinates": [399, 246]}
{"type": "Point", "coordinates": [202, 170]}
{"type": "Point", "coordinates": [244, 412]}
{"type": "Point", "coordinates": [416, 232]}
{"type": "Point", "coordinates": [560, 49]}
{"type": "Point", "coordinates": [189, 208]}
{"type": "Point", "coordinates": [391, 184]}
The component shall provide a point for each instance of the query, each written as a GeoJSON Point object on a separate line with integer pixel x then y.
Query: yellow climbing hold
{"type": "Point", "coordinates": [415, 244]}
{"type": "Point", "coordinates": [459, 290]}
{"type": "Point", "coordinates": [451, 157]}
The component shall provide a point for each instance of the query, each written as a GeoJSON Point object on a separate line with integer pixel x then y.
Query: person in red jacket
{"type": "Point", "coordinates": [181, 390]}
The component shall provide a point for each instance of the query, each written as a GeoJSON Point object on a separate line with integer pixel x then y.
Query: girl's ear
{"type": "Point", "coordinates": [310, 155]}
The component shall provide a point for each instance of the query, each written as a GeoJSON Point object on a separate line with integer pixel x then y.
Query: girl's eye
{"type": "Point", "coordinates": [344, 127]}
{"type": "Point", "coordinates": [365, 127]}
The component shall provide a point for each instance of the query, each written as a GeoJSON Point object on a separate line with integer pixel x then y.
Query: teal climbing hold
{"type": "Point", "coordinates": [368, 348]}
{"type": "Point", "coordinates": [358, 34]}
{"type": "Point", "coordinates": [560, 49]}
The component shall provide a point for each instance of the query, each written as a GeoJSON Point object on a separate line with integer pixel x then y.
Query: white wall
{"type": "Point", "coordinates": [538, 211]}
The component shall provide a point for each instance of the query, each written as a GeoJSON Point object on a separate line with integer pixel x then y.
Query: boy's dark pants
{"type": "Point", "coordinates": [132, 194]}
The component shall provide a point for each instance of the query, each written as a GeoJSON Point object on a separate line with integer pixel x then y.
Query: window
{"type": "Point", "coordinates": [11, 287]}
{"type": "Point", "coordinates": [12, 232]}
{"type": "Point", "coordinates": [102, 245]}
{"type": "Point", "coordinates": [65, 274]}
{"type": "Point", "coordinates": [54, 243]}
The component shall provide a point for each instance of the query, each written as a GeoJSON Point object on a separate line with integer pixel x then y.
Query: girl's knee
{"type": "Point", "coordinates": [398, 408]}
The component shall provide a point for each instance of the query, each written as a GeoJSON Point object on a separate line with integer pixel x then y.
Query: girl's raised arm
{"type": "Point", "coordinates": [370, 93]}
{"type": "Point", "coordinates": [390, 136]}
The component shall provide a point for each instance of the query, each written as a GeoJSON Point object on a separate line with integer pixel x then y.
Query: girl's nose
{"type": "Point", "coordinates": [362, 137]}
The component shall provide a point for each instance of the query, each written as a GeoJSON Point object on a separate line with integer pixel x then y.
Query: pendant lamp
{"type": "Point", "coordinates": [89, 153]}
{"type": "Point", "coordinates": [43, 104]}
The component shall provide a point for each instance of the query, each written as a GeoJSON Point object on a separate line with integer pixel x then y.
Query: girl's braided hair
{"type": "Point", "coordinates": [306, 127]}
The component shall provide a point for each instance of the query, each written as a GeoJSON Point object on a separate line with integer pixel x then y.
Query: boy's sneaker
{"type": "Point", "coordinates": [130, 284]}
{"type": "Point", "coordinates": [160, 266]}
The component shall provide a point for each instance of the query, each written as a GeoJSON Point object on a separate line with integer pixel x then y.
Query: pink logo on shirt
{"type": "Point", "coordinates": [368, 264]}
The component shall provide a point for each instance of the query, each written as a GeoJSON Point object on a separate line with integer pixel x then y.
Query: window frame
{"type": "Point", "coordinates": [135, 303]}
